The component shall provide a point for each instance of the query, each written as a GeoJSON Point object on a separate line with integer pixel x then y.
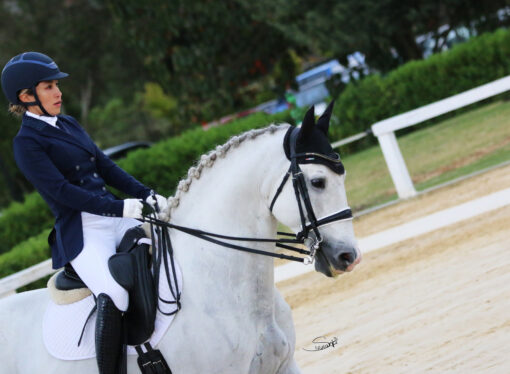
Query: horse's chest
{"type": "Point", "coordinates": [272, 349]}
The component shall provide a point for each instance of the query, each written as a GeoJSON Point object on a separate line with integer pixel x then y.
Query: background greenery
{"type": "Point", "coordinates": [153, 69]}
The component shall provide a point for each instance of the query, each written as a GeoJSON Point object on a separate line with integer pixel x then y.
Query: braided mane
{"type": "Point", "coordinates": [207, 161]}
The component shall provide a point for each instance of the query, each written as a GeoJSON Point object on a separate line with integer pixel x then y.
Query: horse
{"type": "Point", "coordinates": [233, 319]}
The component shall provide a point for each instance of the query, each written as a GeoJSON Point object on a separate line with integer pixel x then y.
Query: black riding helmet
{"type": "Point", "coordinates": [26, 70]}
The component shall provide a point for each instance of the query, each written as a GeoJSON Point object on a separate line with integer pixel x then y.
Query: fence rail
{"type": "Point", "coordinates": [385, 130]}
{"type": "Point", "coordinates": [11, 283]}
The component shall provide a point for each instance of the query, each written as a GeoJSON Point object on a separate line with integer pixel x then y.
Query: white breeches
{"type": "Point", "coordinates": [101, 236]}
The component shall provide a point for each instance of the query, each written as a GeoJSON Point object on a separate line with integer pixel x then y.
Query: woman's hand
{"type": "Point", "coordinates": [132, 208]}
{"type": "Point", "coordinates": [161, 200]}
{"type": "Point", "coordinates": [162, 205]}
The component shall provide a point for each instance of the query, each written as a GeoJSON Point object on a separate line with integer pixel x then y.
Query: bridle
{"type": "Point", "coordinates": [302, 198]}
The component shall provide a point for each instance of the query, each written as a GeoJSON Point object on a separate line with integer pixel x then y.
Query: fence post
{"type": "Point", "coordinates": [396, 165]}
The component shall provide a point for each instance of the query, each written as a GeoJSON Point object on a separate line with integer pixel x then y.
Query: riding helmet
{"type": "Point", "coordinates": [26, 70]}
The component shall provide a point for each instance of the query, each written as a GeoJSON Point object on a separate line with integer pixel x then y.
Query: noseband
{"type": "Point", "coordinates": [301, 192]}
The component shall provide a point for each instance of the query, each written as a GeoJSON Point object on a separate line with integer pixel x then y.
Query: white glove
{"type": "Point", "coordinates": [132, 208]}
{"type": "Point", "coordinates": [161, 200]}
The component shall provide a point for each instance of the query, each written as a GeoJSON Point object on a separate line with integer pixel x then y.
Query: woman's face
{"type": "Point", "coordinates": [49, 95]}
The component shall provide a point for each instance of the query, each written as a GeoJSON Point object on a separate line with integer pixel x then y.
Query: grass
{"type": "Point", "coordinates": [471, 141]}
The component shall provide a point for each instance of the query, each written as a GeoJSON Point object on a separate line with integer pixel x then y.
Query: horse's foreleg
{"type": "Point", "coordinates": [283, 316]}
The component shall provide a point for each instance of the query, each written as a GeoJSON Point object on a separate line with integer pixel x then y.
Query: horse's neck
{"type": "Point", "coordinates": [231, 198]}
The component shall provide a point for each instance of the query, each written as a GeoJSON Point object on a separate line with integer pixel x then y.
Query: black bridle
{"type": "Point", "coordinates": [302, 198]}
{"type": "Point", "coordinates": [301, 192]}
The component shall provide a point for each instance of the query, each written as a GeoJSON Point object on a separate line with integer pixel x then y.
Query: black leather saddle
{"type": "Point", "coordinates": [131, 268]}
{"type": "Point", "coordinates": [68, 280]}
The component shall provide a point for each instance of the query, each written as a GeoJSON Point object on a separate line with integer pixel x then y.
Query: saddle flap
{"type": "Point", "coordinates": [122, 269]}
{"type": "Point", "coordinates": [130, 239]}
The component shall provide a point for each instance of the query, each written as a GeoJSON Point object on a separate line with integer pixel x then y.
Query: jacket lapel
{"type": "Point", "coordinates": [66, 134]}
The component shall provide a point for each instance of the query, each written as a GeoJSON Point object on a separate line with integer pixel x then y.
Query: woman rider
{"type": "Point", "coordinates": [70, 172]}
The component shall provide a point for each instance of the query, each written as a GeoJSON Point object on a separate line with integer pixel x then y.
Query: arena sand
{"type": "Point", "coordinates": [438, 303]}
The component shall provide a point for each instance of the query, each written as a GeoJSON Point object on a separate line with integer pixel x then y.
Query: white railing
{"type": "Point", "coordinates": [385, 130]}
{"type": "Point", "coordinates": [11, 283]}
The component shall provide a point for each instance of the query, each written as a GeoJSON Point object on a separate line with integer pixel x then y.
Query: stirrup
{"type": "Point", "coordinates": [152, 361]}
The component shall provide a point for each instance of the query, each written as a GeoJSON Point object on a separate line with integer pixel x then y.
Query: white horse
{"type": "Point", "coordinates": [233, 319]}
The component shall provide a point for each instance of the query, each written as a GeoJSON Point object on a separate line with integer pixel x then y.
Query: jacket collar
{"type": "Point", "coordinates": [70, 136]}
{"type": "Point", "coordinates": [49, 120]}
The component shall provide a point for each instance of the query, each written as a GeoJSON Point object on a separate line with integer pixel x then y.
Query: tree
{"type": "Point", "coordinates": [200, 51]}
{"type": "Point", "coordinates": [385, 31]}
{"type": "Point", "coordinates": [79, 36]}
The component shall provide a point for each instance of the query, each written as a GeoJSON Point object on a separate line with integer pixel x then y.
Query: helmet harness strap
{"type": "Point", "coordinates": [36, 102]}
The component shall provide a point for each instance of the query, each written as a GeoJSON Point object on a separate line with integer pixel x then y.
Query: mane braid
{"type": "Point", "coordinates": [207, 161]}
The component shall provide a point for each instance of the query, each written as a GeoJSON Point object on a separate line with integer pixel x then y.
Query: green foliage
{"type": "Point", "coordinates": [12, 183]}
{"type": "Point", "coordinates": [203, 52]}
{"type": "Point", "coordinates": [417, 83]}
{"type": "Point", "coordinates": [163, 165]}
{"type": "Point", "coordinates": [149, 115]}
{"type": "Point", "coordinates": [160, 167]}
{"type": "Point", "coordinates": [27, 253]}
{"type": "Point", "coordinates": [117, 122]}
{"type": "Point", "coordinates": [78, 34]}
{"type": "Point", "coordinates": [157, 103]}
{"type": "Point", "coordinates": [385, 31]}
{"type": "Point", "coordinates": [22, 220]}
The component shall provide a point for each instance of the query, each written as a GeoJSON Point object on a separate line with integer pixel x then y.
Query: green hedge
{"type": "Point", "coordinates": [20, 221]}
{"type": "Point", "coordinates": [417, 83]}
{"type": "Point", "coordinates": [25, 254]}
{"type": "Point", "coordinates": [164, 164]}
{"type": "Point", "coordinates": [159, 167]}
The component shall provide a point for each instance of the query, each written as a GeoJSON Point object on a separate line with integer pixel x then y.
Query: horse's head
{"type": "Point", "coordinates": [317, 172]}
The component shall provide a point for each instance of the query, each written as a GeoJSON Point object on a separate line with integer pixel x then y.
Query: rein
{"type": "Point", "coordinates": [302, 198]}
{"type": "Point", "coordinates": [163, 250]}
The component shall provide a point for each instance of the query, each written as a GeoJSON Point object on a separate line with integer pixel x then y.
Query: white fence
{"type": "Point", "coordinates": [385, 130]}
{"type": "Point", "coordinates": [8, 285]}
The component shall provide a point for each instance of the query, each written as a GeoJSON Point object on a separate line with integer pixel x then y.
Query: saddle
{"type": "Point", "coordinates": [131, 268]}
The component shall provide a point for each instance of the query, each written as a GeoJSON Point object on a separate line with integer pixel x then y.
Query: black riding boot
{"type": "Point", "coordinates": [108, 335]}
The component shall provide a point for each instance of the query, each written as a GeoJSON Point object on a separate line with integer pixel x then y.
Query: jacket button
{"type": "Point", "coordinates": [77, 167]}
{"type": "Point", "coordinates": [96, 175]}
{"type": "Point", "coordinates": [104, 188]}
{"type": "Point", "coordinates": [82, 181]}
{"type": "Point", "coordinates": [92, 159]}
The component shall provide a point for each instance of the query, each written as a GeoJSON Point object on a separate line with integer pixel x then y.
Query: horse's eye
{"type": "Point", "coordinates": [319, 183]}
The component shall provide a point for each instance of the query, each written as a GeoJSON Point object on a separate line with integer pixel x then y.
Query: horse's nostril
{"type": "Point", "coordinates": [347, 257]}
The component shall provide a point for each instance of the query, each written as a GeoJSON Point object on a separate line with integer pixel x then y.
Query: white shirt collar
{"type": "Point", "coordinates": [49, 120]}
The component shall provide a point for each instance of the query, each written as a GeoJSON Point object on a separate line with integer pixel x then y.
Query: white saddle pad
{"type": "Point", "coordinates": [63, 324]}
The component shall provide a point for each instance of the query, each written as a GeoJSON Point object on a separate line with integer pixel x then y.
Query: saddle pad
{"type": "Point", "coordinates": [63, 324]}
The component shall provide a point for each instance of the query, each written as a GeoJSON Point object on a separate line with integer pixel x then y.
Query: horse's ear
{"type": "Point", "coordinates": [308, 123]}
{"type": "Point", "coordinates": [323, 121]}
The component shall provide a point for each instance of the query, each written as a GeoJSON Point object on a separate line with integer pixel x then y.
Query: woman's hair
{"type": "Point", "coordinates": [18, 109]}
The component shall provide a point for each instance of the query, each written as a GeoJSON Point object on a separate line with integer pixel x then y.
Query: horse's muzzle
{"type": "Point", "coordinates": [333, 260]}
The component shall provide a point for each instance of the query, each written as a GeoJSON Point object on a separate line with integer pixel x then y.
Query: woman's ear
{"type": "Point", "coordinates": [26, 97]}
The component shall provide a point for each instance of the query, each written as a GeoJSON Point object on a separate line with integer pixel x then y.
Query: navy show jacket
{"type": "Point", "coordinates": [70, 172]}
